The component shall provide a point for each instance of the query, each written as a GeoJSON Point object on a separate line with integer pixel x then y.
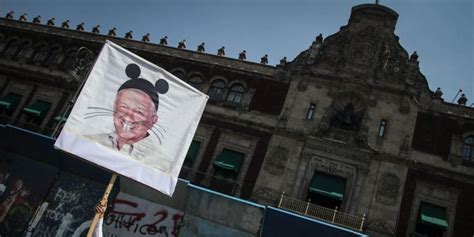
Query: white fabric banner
{"type": "Point", "coordinates": [133, 118]}
{"type": "Point", "coordinates": [135, 217]}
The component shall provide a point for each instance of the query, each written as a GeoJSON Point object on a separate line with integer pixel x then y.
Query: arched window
{"type": "Point", "coordinates": [41, 53]}
{"type": "Point", "coordinates": [26, 50]}
{"type": "Point", "coordinates": [468, 149]}
{"type": "Point", "coordinates": [57, 55]}
{"type": "Point", "coordinates": [195, 81]}
{"type": "Point", "coordinates": [235, 93]}
{"type": "Point", "coordinates": [69, 61]}
{"type": "Point", "coordinates": [217, 90]}
{"type": "Point", "coordinates": [12, 47]}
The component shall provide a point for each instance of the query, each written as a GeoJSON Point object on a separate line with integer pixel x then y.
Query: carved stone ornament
{"type": "Point", "coordinates": [363, 54]}
{"type": "Point", "coordinates": [405, 147]}
{"type": "Point", "coordinates": [361, 138]}
{"type": "Point", "coordinates": [323, 127]}
{"type": "Point", "coordinates": [266, 195]}
{"type": "Point", "coordinates": [381, 226]}
{"type": "Point", "coordinates": [349, 109]}
{"type": "Point", "coordinates": [334, 167]}
{"type": "Point", "coordinates": [332, 52]}
{"type": "Point", "coordinates": [276, 162]}
{"type": "Point", "coordinates": [303, 85]}
{"type": "Point", "coordinates": [372, 101]}
{"type": "Point", "coordinates": [363, 50]}
{"type": "Point", "coordinates": [346, 119]}
{"type": "Point", "coordinates": [404, 105]}
{"type": "Point", "coordinates": [387, 192]}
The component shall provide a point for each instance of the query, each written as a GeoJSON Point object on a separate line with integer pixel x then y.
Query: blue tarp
{"type": "Point", "coordinates": [282, 223]}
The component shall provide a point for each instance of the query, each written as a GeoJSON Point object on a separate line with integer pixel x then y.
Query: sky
{"type": "Point", "coordinates": [441, 31]}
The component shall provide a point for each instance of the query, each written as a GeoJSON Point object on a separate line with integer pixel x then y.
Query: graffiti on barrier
{"type": "Point", "coordinates": [132, 216]}
{"type": "Point", "coordinates": [70, 207]}
{"type": "Point", "coordinates": [23, 186]}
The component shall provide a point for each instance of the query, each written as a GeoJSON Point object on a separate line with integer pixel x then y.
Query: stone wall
{"type": "Point", "coordinates": [213, 214]}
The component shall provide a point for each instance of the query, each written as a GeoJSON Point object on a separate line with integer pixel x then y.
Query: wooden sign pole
{"type": "Point", "coordinates": [103, 201]}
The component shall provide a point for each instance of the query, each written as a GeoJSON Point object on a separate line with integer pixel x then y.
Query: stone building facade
{"type": "Point", "coordinates": [349, 123]}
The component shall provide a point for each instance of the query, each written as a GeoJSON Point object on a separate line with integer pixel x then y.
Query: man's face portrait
{"type": "Point", "coordinates": [134, 115]}
{"type": "Point", "coordinates": [128, 118]}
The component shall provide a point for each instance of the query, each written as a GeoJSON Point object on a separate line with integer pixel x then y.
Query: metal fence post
{"type": "Point", "coordinates": [307, 206]}
{"type": "Point", "coordinates": [334, 216]}
{"type": "Point", "coordinates": [281, 199]}
{"type": "Point", "coordinates": [362, 223]}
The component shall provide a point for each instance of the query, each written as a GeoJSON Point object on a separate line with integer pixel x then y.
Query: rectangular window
{"type": "Point", "coordinates": [9, 102]}
{"type": "Point", "coordinates": [382, 128]}
{"type": "Point", "coordinates": [189, 160]}
{"type": "Point", "coordinates": [38, 109]}
{"type": "Point", "coordinates": [229, 160]}
{"type": "Point", "coordinates": [432, 220]}
{"type": "Point", "coordinates": [468, 149]}
{"type": "Point", "coordinates": [192, 154]}
{"type": "Point", "coordinates": [8, 105]}
{"type": "Point", "coordinates": [36, 112]}
{"type": "Point", "coordinates": [310, 113]}
{"type": "Point", "coordinates": [327, 190]}
{"type": "Point", "coordinates": [227, 167]}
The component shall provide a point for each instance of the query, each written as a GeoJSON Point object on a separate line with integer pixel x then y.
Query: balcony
{"type": "Point", "coordinates": [322, 213]}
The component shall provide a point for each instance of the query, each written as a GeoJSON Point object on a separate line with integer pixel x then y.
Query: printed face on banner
{"type": "Point", "coordinates": [133, 118]}
{"type": "Point", "coordinates": [134, 115]}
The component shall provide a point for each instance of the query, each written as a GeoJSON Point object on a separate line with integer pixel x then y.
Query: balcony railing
{"type": "Point", "coordinates": [322, 213]}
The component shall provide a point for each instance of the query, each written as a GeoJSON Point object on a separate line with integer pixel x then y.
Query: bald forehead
{"type": "Point", "coordinates": [137, 96]}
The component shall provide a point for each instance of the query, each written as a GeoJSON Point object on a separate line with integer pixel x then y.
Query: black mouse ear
{"type": "Point", "coordinates": [161, 86]}
{"type": "Point", "coordinates": [133, 71]}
